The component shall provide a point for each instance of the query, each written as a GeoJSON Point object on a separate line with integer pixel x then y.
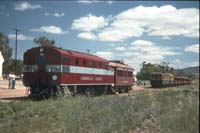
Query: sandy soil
{"type": "Point", "coordinates": [20, 92]}
{"type": "Point", "coordinates": [6, 94]}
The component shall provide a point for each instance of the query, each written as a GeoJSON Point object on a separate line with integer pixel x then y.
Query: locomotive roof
{"type": "Point", "coordinates": [115, 64]}
{"type": "Point", "coordinates": [77, 54]}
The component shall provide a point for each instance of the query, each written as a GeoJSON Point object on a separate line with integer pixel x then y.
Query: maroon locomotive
{"type": "Point", "coordinates": [50, 70]}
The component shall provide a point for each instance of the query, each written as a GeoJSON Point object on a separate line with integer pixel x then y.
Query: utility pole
{"type": "Point", "coordinates": [16, 31]}
{"type": "Point", "coordinates": [88, 51]}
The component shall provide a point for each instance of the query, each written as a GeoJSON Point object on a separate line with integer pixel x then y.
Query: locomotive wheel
{"type": "Point", "coordinates": [59, 91]}
{"type": "Point", "coordinates": [105, 90]}
{"type": "Point", "coordinates": [126, 90]}
{"type": "Point", "coordinates": [89, 92]}
{"type": "Point", "coordinates": [62, 92]}
{"type": "Point", "coordinates": [67, 92]}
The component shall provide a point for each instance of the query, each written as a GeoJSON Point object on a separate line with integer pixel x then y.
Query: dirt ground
{"type": "Point", "coordinates": [20, 91]}
{"type": "Point", "coordinates": [6, 94]}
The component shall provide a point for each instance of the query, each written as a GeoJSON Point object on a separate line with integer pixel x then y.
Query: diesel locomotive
{"type": "Point", "coordinates": [49, 70]}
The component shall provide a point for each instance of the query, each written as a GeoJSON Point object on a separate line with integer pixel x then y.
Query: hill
{"type": "Point", "coordinates": [191, 70]}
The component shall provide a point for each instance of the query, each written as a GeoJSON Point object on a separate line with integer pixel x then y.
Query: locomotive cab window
{"type": "Point", "coordinates": [41, 60]}
{"type": "Point", "coordinates": [65, 60]}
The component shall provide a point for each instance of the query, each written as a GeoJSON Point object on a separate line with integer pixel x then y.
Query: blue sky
{"type": "Point", "coordinates": [132, 31]}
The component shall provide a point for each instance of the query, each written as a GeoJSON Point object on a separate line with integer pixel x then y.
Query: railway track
{"type": "Point", "coordinates": [20, 94]}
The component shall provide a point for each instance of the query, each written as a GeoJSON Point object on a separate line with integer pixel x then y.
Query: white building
{"type": "Point", "coordinates": [1, 65]}
{"type": "Point", "coordinates": [134, 75]}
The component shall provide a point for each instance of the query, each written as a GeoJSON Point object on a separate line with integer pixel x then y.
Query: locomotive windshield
{"type": "Point", "coordinates": [41, 60]}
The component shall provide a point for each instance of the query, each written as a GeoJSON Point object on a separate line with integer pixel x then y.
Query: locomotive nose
{"type": "Point", "coordinates": [42, 76]}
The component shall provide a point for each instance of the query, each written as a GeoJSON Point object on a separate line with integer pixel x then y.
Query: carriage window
{"type": "Point", "coordinates": [76, 61]}
{"type": "Point", "coordinates": [119, 73]}
{"type": "Point", "coordinates": [124, 73]}
{"type": "Point", "coordinates": [130, 74]}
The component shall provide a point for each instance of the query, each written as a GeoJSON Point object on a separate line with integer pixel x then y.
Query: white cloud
{"type": "Point", "coordinates": [22, 6]}
{"type": "Point", "coordinates": [87, 35]}
{"type": "Point", "coordinates": [120, 48]}
{"type": "Point", "coordinates": [166, 38]}
{"type": "Point", "coordinates": [137, 52]}
{"type": "Point", "coordinates": [110, 1]}
{"type": "Point", "coordinates": [168, 21]}
{"type": "Point", "coordinates": [142, 43]}
{"type": "Point", "coordinates": [116, 34]}
{"type": "Point", "coordinates": [49, 29]}
{"type": "Point", "coordinates": [178, 64]}
{"type": "Point", "coordinates": [164, 21]}
{"type": "Point", "coordinates": [105, 54]}
{"type": "Point", "coordinates": [94, 1]}
{"type": "Point", "coordinates": [150, 50]}
{"type": "Point", "coordinates": [176, 61]}
{"type": "Point", "coordinates": [20, 37]}
{"type": "Point", "coordinates": [192, 48]}
{"type": "Point", "coordinates": [55, 14]}
{"type": "Point", "coordinates": [86, 1]}
{"type": "Point", "coordinates": [112, 45]}
{"type": "Point", "coordinates": [89, 22]}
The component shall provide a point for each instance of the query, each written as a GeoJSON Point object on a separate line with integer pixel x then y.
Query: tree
{"type": "Point", "coordinates": [44, 41]}
{"type": "Point", "coordinates": [6, 52]}
{"type": "Point", "coordinates": [11, 68]}
{"type": "Point", "coordinates": [148, 68]}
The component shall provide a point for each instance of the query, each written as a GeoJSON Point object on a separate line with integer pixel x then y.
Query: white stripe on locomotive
{"type": "Point", "coordinates": [69, 69]}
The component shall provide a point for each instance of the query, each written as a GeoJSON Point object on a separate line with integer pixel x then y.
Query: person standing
{"type": "Point", "coordinates": [13, 81]}
{"type": "Point", "coordinates": [9, 81]}
{"type": "Point", "coordinates": [12, 78]}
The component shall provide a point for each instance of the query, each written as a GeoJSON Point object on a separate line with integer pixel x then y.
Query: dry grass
{"type": "Point", "coordinates": [159, 111]}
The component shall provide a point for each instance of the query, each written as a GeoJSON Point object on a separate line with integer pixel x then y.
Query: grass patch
{"type": "Point", "coordinates": [155, 111]}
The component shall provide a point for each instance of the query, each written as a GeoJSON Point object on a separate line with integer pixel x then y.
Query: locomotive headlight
{"type": "Point", "coordinates": [57, 67]}
{"type": "Point", "coordinates": [54, 77]}
{"type": "Point", "coordinates": [41, 49]}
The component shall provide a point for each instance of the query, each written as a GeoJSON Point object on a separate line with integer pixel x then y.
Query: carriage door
{"type": "Point", "coordinates": [42, 77]}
